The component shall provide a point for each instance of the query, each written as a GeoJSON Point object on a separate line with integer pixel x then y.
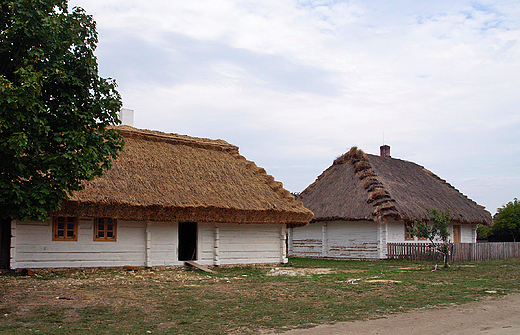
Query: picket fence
{"type": "Point", "coordinates": [459, 252]}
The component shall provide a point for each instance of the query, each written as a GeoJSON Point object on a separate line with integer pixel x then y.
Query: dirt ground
{"type": "Point", "coordinates": [498, 315]}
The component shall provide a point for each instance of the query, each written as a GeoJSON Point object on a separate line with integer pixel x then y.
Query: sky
{"type": "Point", "coordinates": [295, 84]}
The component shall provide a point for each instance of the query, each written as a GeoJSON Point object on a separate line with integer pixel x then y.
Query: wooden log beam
{"type": "Point", "coordinates": [197, 266]}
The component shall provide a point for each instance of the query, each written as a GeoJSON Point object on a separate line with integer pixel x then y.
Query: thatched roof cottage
{"type": "Point", "coordinates": [362, 202]}
{"type": "Point", "coordinates": [167, 199]}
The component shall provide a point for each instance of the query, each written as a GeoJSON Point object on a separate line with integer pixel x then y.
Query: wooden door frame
{"type": "Point", "coordinates": [456, 236]}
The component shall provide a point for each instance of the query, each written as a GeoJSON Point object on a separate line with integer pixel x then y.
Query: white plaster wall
{"type": "Point", "coordinates": [250, 243]}
{"type": "Point", "coordinates": [163, 243]}
{"type": "Point", "coordinates": [206, 243]}
{"type": "Point", "coordinates": [34, 247]}
{"type": "Point", "coordinates": [141, 243]}
{"type": "Point", "coordinates": [468, 233]}
{"type": "Point", "coordinates": [395, 231]}
{"type": "Point", "coordinates": [352, 239]}
{"type": "Point", "coordinates": [306, 241]}
{"type": "Point", "coordinates": [337, 239]}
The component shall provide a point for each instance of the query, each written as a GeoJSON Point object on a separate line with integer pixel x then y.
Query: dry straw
{"type": "Point", "coordinates": [171, 177]}
{"type": "Point", "coordinates": [358, 186]}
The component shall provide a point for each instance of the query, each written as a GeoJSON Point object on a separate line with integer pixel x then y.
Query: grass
{"type": "Point", "coordinates": [239, 300]}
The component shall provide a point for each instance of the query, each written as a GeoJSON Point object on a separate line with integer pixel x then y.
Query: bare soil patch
{"type": "Point", "coordinates": [498, 315]}
{"type": "Point", "coordinates": [287, 271]}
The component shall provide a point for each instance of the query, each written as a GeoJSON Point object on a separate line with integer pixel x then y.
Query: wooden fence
{"type": "Point", "coordinates": [413, 251]}
{"type": "Point", "coordinates": [460, 252]}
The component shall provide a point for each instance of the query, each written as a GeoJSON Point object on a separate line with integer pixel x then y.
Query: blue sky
{"type": "Point", "coordinates": [295, 84]}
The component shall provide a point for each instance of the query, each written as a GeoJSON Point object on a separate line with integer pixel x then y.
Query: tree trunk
{"type": "Point", "coordinates": [5, 244]}
{"type": "Point", "coordinates": [446, 248]}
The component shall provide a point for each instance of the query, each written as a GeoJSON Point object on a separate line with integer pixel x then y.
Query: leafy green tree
{"type": "Point", "coordinates": [55, 110]}
{"type": "Point", "coordinates": [437, 233]}
{"type": "Point", "coordinates": [507, 220]}
{"type": "Point", "coordinates": [483, 232]}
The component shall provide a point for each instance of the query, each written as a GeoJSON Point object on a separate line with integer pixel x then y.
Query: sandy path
{"type": "Point", "coordinates": [499, 315]}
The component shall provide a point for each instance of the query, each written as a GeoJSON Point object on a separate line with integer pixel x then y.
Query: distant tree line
{"type": "Point", "coordinates": [506, 225]}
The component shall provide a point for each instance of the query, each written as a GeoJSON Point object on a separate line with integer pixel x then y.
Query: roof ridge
{"type": "Point", "coordinates": [378, 196]}
{"type": "Point", "coordinates": [158, 136]}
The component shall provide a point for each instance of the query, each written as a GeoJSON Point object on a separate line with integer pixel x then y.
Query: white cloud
{"type": "Point", "coordinates": [297, 83]}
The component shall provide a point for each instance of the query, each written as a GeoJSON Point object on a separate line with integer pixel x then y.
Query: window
{"type": "Point", "coordinates": [64, 228]}
{"type": "Point", "coordinates": [408, 226]}
{"type": "Point", "coordinates": [105, 229]}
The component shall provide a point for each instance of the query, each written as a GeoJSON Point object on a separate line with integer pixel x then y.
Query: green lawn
{"type": "Point", "coordinates": [304, 293]}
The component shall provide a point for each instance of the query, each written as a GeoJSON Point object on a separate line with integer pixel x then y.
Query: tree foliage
{"type": "Point", "coordinates": [55, 110]}
{"type": "Point", "coordinates": [437, 232]}
{"type": "Point", "coordinates": [484, 232]}
{"type": "Point", "coordinates": [507, 220]}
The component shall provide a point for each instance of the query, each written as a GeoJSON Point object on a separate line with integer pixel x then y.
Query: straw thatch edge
{"type": "Point", "coordinates": [200, 214]}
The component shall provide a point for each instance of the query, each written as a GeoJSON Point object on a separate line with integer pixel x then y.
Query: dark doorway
{"type": "Point", "coordinates": [187, 241]}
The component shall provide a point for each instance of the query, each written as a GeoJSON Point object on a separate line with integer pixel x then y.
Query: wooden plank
{"type": "Point", "coordinates": [197, 266]}
{"type": "Point", "coordinates": [460, 252]}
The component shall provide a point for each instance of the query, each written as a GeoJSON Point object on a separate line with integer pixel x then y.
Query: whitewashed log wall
{"type": "Point", "coordinates": [354, 239]}
{"type": "Point", "coordinates": [468, 233]}
{"type": "Point", "coordinates": [306, 241]}
{"type": "Point", "coordinates": [248, 244]}
{"type": "Point", "coordinates": [149, 243]}
{"type": "Point", "coordinates": [336, 239]}
{"type": "Point", "coordinates": [161, 243]}
{"type": "Point", "coordinates": [32, 246]}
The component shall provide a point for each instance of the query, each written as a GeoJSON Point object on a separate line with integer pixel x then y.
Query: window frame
{"type": "Point", "coordinates": [56, 229]}
{"type": "Point", "coordinates": [105, 230]}
{"type": "Point", "coordinates": [408, 233]}
{"type": "Point", "coordinates": [408, 226]}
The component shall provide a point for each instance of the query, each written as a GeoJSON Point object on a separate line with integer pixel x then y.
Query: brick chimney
{"type": "Point", "coordinates": [385, 150]}
{"type": "Point", "coordinates": [126, 116]}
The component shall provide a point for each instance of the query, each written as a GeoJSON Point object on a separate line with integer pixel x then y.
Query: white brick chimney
{"type": "Point", "coordinates": [126, 116]}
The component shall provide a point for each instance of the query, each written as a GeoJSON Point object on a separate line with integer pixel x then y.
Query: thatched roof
{"type": "Point", "coordinates": [170, 177]}
{"type": "Point", "coordinates": [360, 186]}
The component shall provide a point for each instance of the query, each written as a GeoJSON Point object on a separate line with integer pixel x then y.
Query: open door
{"type": "Point", "coordinates": [187, 241]}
